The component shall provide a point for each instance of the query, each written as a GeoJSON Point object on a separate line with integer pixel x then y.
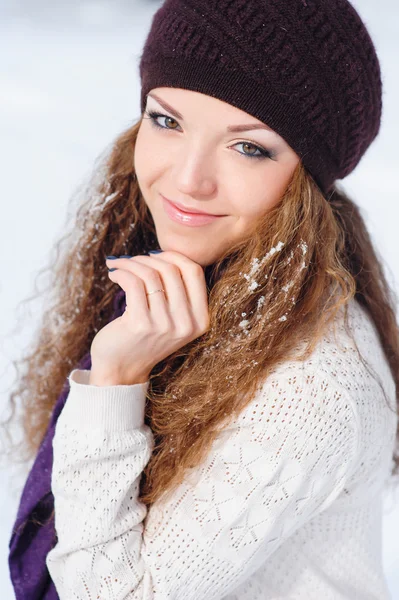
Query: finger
{"type": "Point", "coordinates": [193, 278]}
{"type": "Point", "coordinates": [169, 277]}
{"type": "Point", "coordinates": [135, 292]}
{"type": "Point", "coordinates": [150, 276]}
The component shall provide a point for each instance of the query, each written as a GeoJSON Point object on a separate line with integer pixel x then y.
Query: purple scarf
{"type": "Point", "coordinates": [31, 542]}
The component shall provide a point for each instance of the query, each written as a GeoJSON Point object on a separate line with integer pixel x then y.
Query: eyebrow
{"type": "Point", "coordinates": [230, 128]}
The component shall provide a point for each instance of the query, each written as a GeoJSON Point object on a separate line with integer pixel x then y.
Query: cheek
{"type": "Point", "coordinates": [256, 194]}
{"type": "Point", "coordinates": [252, 198]}
{"type": "Point", "coordinates": [148, 156]}
{"type": "Point", "coordinates": [141, 152]}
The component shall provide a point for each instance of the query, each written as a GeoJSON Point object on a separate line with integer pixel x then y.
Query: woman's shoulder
{"type": "Point", "coordinates": [346, 376]}
{"type": "Point", "coordinates": [348, 354]}
{"type": "Point", "coordinates": [347, 370]}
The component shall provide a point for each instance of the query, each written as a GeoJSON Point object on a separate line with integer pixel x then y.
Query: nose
{"type": "Point", "coordinates": [195, 175]}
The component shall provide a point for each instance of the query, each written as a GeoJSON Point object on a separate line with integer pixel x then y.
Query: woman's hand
{"type": "Point", "coordinates": [125, 351]}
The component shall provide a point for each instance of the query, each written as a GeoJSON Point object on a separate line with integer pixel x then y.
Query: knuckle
{"type": "Point", "coordinates": [160, 329]}
{"type": "Point", "coordinates": [174, 270]}
{"type": "Point", "coordinates": [184, 329]}
{"type": "Point", "coordinates": [165, 326]}
{"type": "Point", "coordinates": [197, 270]}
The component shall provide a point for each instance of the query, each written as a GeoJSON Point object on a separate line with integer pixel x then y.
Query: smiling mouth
{"type": "Point", "coordinates": [188, 219]}
{"type": "Point", "coordinates": [184, 210]}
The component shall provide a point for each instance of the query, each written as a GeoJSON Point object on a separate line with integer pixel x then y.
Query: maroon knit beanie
{"type": "Point", "coordinates": [306, 68]}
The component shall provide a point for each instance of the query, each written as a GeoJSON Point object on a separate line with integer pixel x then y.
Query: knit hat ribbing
{"type": "Point", "coordinates": [307, 68]}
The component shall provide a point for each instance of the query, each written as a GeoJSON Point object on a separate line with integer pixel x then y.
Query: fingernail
{"type": "Point", "coordinates": [154, 251]}
{"type": "Point", "coordinates": [111, 257]}
{"type": "Point", "coordinates": [125, 256]}
{"type": "Point", "coordinates": [112, 269]}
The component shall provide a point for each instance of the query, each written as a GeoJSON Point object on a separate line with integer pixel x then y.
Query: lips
{"type": "Point", "coordinates": [185, 218]}
{"type": "Point", "coordinates": [191, 211]}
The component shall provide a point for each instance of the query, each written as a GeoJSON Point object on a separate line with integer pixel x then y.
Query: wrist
{"type": "Point", "coordinates": [102, 380]}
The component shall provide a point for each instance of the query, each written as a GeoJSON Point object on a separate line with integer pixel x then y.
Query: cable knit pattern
{"type": "Point", "coordinates": [307, 68]}
{"type": "Point", "coordinates": [287, 504]}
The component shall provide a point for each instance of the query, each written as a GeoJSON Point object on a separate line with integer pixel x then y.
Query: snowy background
{"type": "Point", "coordinates": [68, 86]}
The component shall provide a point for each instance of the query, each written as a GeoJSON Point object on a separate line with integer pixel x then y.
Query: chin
{"type": "Point", "coordinates": [203, 257]}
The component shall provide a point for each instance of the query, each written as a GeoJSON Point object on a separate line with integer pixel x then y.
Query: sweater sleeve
{"type": "Point", "coordinates": [285, 459]}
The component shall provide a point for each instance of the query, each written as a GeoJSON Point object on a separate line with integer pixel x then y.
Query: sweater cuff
{"type": "Point", "coordinates": [113, 407]}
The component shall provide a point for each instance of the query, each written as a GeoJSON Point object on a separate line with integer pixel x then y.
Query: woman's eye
{"type": "Point", "coordinates": [154, 116]}
{"type": "Point", "coordinates": [257, 151]}
{"type": "Point", "coordinates": [263, 153]}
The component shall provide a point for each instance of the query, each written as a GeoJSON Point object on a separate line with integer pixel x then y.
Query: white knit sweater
{"type": "Point", "coordinates": [288, 504]}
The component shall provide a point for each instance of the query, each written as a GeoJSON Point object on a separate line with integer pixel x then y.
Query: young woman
{"type": "Point", "coordinates": [219, 419]}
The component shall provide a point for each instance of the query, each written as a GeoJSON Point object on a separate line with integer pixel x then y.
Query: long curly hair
{"type": "Point", "coordinates": [281, 285]}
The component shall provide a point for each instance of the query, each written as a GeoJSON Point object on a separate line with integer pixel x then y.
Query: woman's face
{"type": "Point", "coordinates": [194, 158]}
